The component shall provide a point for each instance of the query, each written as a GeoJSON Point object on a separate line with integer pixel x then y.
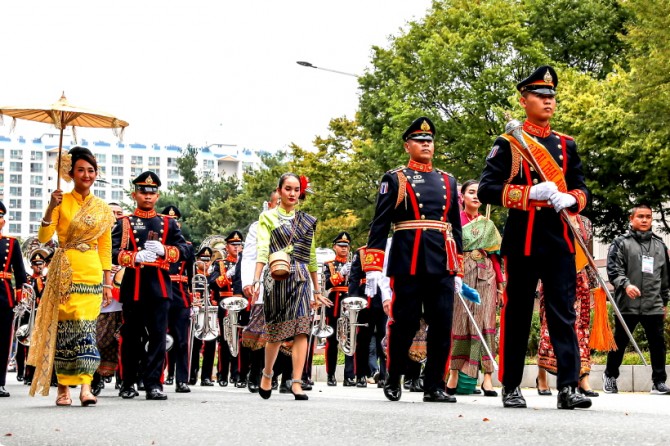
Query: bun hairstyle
{"type": "Point", "coordinates": [302, 180]}
{"type": "Point", "coordinates": [467, 184]}
{"type": "Point", "coordinates": [81, 153]}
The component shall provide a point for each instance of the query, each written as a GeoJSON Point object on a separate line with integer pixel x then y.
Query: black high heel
{"type": "Point", "coordinates": [541, 392]}
{"type": "Point", "coordinates": [265, 394]}
{"type": "Point", "coordinates": [489, 392]}
{"type": "Point", "coordinates": [297, 396]}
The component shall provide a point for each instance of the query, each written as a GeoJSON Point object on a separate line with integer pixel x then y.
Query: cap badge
{"type": "Point", "coordinates": [425, 126]}
{"type": "Point", "coordinates": [172, 212]}
{"type": "Point", "coordinates": [548, 78]}
{"type": "Point", "coordinates": [344, 236]}
{"type": "Point", "coordinates": [150, 181]}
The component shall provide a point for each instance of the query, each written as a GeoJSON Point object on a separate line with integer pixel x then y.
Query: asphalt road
{"type": "Point", "coordinates": [333, 415]}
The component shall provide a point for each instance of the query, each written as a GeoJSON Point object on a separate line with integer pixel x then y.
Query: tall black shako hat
{"type": "Point", "coordinates": [543, 81]}
{"type": "Point", "coordinates": [147, 182]}
{"type": "Point", "coordinates": [342, 239]}
{"type": "Point", "coordinates": [234, 238]}
{"type": "Point", "coordinates": [422, 129]}
{"type": "Point", "coordinates": [172, 212]}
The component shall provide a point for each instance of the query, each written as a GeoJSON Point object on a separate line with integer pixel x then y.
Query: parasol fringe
{"type": "Point", "coordinates": [118, 132]}
{"type": "Point", "coordinates": [602, 338]}
{"type": "Point", "coordinates": [74, 135]}
{"type": "Point", "coordinates": [2, 120]}
{"type": "Point", "coordinates": [12, 126]}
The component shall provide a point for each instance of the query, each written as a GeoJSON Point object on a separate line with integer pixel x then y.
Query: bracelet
{"type": "Point", "coordinates": [45, 223]}
{"type": "Point", "coordinates": [316, 292]}
{"type": "Point", "coordinates": [108, 286]}
{"type": "Point", "coordinates": [255, 282]}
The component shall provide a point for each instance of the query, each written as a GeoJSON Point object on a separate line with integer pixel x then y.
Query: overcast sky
{"type": "Point", "coordinates": [202, 72]}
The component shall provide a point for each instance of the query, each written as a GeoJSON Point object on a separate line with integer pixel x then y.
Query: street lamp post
{"type": "Point", "coordinates": [310, 65]}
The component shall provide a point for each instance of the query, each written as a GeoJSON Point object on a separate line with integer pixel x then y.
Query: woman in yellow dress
{"type": "Point", "coordinates": [79, 281]}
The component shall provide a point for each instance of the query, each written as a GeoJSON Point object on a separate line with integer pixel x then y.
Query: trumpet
{"type": "Point", "coordinates": [231, 326]}
{"type": "Point", "coordinates": [205, 327]}
{"type": "Point", "coordinates": [348, 323]}
{"type": "Point", "coordinates": [23, 332]}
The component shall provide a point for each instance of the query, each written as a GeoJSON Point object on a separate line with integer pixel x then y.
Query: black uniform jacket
{"type": "Point", "coordinates": [181, 275]}
{"type": "Point", "coordinates": [11, 265]}
{"type": "Point", "coordinates": [532, 227]}
{"type": "Point", "coordinates": [219, 283]}
{"type": "Point", "coordinates": [431, 198]}
{"type": "Point", "coordinates": [146, 281]}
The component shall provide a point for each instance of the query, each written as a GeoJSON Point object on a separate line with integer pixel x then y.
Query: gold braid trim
{"type": "Point", "coordinates": [516, 162]}
{"type": "Point", "coordinates": [402, 188]}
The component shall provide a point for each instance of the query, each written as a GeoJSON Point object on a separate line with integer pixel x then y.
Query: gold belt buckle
{"type": "Point", "coordinates": [476, 255]}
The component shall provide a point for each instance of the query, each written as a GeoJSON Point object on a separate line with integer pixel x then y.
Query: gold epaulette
{"type": "Point", "coordinates": [563, 135]}
{"type": "Point", "coordinates": [397, 169]}
{"type": "Point", "coordinates": [444, 172]}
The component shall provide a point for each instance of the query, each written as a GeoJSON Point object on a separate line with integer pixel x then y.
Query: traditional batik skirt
{"type": "Point", "coordinates": [286, 304]}
{"type": "Point", "coordinates": [77, 356]}
{"type": "Point", "coordinates": [253, 335]}
{"type": "Point", "coordinates": [109, 325]}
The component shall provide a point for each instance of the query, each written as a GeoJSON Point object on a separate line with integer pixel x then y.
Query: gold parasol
{"type": "Point", "coordinates": [62, 114]}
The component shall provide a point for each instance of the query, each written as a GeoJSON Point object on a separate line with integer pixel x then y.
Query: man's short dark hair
{"type": "Point", "coordinates": [639, 206]}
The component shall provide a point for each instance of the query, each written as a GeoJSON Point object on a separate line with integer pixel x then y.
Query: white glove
{"type": "Point", "coordinates": [372, 281]}
{"type": "Point", "coordinates": [145, 257]}
{"type": "Point", "coordinates": [231, 272]}
{"type": "Point", "coordinates": [346, 268]}
{"type": "Point", "coordinates": [458, 283]}
{"type": "Point", "coordinates": [155, 246]}
{"type": "Point", "coordinates": [543, 191]}
{"type": "Point", "coordinates": [560, 201]}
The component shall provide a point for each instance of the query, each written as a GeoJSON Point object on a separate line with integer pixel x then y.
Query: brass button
{"type": "Point", "coordinates": [418, 195]}
{"type": "Point", "coordinates": [139, 249]}
{"type": "Point", "coordinates": [413, 185]}
{"type": "Point", "coordinates": [444, 207]}
{"type": "Point", "coordinates": [537, 208]}
{"type": "Point", "coordinates": [134, 231]}
{"type": "Point", "coordinates": [444, 196]}
{"type": "Point", "coordinates": [425, 229]}
{"type": "Point", "coordinates": [420, 205]}
{"type": "Point", "coordinates": [137, 240]}
{"type": "Point", "coordinates": [560, 157]}
{"type": "Point", "coordinates": [441, 218]}
{"type": "Point", "coordinates": [534, 180]}
{"type": "Point", "coordinates": [560, 146]}
{"type": "Point", "coordinates": [161, 231]}
{"type": "Point", "coordinates": [423, 217]}
{"type": "Point", "coordinates": [444, 187]}
{"type": "Point", "coordinates": [532, 169]}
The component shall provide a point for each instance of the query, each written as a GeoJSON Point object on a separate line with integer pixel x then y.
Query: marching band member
{"type": "Point", "coordinates": [11, 265]}
{"type": "Point", "coordinates": [537, 243]}
{"type": "Point", "coordinates": [221, 284]}
{"type": "Point", "coordinates": [208, 348]}
{"type": "Point", "coordinates": [38, 281]}
{"type": "Point", "coordinates": [146, 244]}
{"type": "Point", "coordinates": [336, 272]}
{"type": "Point", "coordinates": [425, 263]}
{"type": "Point", "coordinates": [179, 313]}
{"type": "Point", "coordinates": [287, 302]}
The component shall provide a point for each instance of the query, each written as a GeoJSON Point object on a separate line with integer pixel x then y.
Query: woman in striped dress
{"type": "Point", "coordinates": [287, 302]}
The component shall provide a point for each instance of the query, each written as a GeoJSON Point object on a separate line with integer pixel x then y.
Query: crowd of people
{"type": "Point", "coordinates": [128, 296]}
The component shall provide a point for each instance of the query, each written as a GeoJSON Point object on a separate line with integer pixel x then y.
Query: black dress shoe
{"type": "Point", "coordinates": [589, 393]}
{"type": "Point", "coordinates": [241, 384]}
{"type": "Point", "coordinates": [349, 382]}
{"type": "Point", "coordinates": [489, 392]}
{"type": "Point", "coordinates": [169, 380]}
{"type": "Point", "coordinates": [108, 379]}
{"type": "Point", "coordinates": [117, 385]}
{"type": "Point", "coordinates": [438, 396]}
{"type": "Point", "coordinates": [156, 394]}
{"type": "Point", "coordinates": [569, 399]}
{"type": "Point", "coordinates": [182, 388]}
{"type": "Point", "coordinates": [19, 378]}
{"type": "Point", "coordinates": [306, 385]}
{"type": "Point", "coordinates": [253, 387]}
{"type": "Point", "coordinates": [275, 385]}
{"type": "Point", "coordinates": [380, 384]}
{"type": "Point", "coordinates": [140, 385]}
{"type": "Point", "coordinates": [27, 381]}
{"type": "Point", "coordinates": [541, 392]}
{"type": "Point", "coordinates": [207, 382]}
{"type": "Point", "coordinates": [331, 380]}
{"type": "Point", "coordinates": [284, 387]}
{"type": "Point", "coordinates": [222, 383]}
{"type": "Point", "coordinates": [416, 385]}
{"type": "Point", "coordinates": [362, 382]}
{"type": "Point", "coordinates": [407, 383]}
{"type": "Point", "coordinates": [392, 392]}
{"type": "Point", "coordinates": [3, 392]}
{"type": "Point", "coordinates": [128, 393]}
{"type": "Point", "coordinates": [513, 398]}
{"type": "Point", "coordinates": [96, 387]}
{"type": "Point", "coordinates": [192, 381]}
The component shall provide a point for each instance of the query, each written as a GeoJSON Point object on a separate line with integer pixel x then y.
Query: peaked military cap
{"type": "Point", "coordinates": [38, 256]}
{"type": "Point", "coordinates": [147, 182]}
{"type": "Point", "coordinates": [422, 129]}
{"type": "Point", "coordinates": [543, 81]}
{"type": "Point", "coordinates": [342, 239]}
{"type": "Point", "coordinates": [172, 212]}
{"type": "Point", "coordinates": [234, 238]}
{"type": "Point", "coordinates": [204, 252]}
{"type": "Point", "coordinates": [3, 209]}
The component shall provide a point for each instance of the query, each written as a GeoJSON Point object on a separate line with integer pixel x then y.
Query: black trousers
{"type": "Point", "coordinates": [144, 320]}
{"type": "Point", "coordinates": [228, 364]}
{"type": "Point", "coordinates": [208, 352]}
{"type": "Point", "coordinates": [256, 365]}
{"type": "Point", "coordinates": [179, 322]}
{"type": "Point", "coordinates": [362, 353]}
{"type": "Point", "coordinates": [429, 295]}
{"type": "Point", "coordinates": [558, 275]}
{"type": "Point", "coordinates": [378, 321]}
{"type": "Point", "coordinates": [6, 318]}
{"type": "Point", "coordinates": [653, 329]}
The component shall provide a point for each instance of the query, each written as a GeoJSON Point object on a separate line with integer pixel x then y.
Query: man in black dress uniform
{"type": "Point", "coordinates": [336, 274]}
{"type": "Point", "coordinates": [11, 265]}
{"type": "Point", "coordinates": [146, 244]}
{"type": "Point", "coordinates": [537, 243]}
{"type": "Point", "coordinates": [208, 348]}
{"type": "Point", "coordinates": [179, 314]}
{"type": "Point", "coordinates": [420, 204]}
{"type": "Point", "coordinates": [221, 284]}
